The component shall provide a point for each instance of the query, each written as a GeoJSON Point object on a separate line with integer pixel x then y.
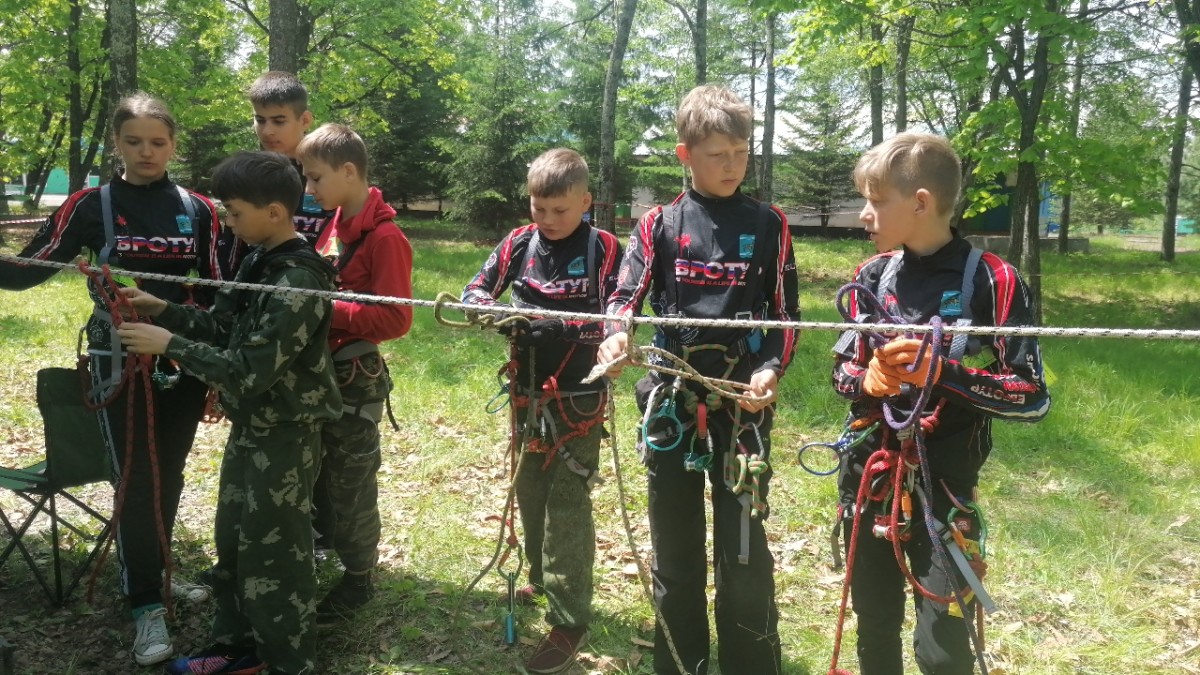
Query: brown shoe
{"type": "Point", "coordinates": [557, 650]}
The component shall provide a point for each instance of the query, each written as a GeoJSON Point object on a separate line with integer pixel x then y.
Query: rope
{"type": "Point", "coordinates": [139, 368]}
{"type": "Point", "coordinates": [637, 558]}
{"type": "Point", "coordinates": [444, 302]}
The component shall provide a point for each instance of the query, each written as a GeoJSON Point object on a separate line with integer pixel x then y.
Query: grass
{"type": "Point", "coordinates": [1095, 513]}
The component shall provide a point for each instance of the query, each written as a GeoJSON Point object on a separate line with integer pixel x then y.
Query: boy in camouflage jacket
{"type": "Point", "coordinates": [267, 355]}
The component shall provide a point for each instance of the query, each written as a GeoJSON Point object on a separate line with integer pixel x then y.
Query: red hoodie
{"type": "Point", "coordinates": [375, 258]}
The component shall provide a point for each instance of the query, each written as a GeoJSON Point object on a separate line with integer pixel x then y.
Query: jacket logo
{"type": "Point", "coordinates": [177, 245]}
{"type": "Point", "coordinates": [746, 246]}
{"type": "Point", "coordinates": [728, 273]}
{"type": "Point", "coordinates": [576, 267]}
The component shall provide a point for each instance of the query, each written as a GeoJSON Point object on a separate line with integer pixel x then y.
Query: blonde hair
{"type": "Point", "coordinates": [335, 145]}
{"type": "Point", "coordinates": [709, 109]}
{"type": "Point", "coordinates": [909, 162]}
{"type": "Point", "coordinates": [556, 172]}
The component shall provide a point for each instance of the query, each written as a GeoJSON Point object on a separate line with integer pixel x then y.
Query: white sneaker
{"type": "Point", "coordinates": [193, 593]}
{"type": "Point", "coordinates": [153, 643]}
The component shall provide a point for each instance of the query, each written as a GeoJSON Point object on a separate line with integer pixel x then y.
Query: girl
{"type": "Point", "coordinates": [143, 222]}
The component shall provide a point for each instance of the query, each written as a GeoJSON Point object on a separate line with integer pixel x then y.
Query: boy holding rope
{"type": "Point", "coordinates": [714, 253]}
{"type": "Point", "coordinates": [559, 262]}
{"type": "Point", "coordinates": [267, 354]}
{"type": "Point", "coordinates": [372, 256]}
{"type": "Point", "coordinates": [911, 183]}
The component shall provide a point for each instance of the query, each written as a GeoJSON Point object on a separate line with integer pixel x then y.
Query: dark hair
{"type": "Point", "coordinates": [278, 87]}
{"type": "Point", "coordinates": [141, 104]}
{"type": "Point", "coordinates": [260, 178]}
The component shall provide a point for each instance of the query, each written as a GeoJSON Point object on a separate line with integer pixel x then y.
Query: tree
{"type": "Point", "coordinates": [1176, 163]}
{"type": "Point", "coordinates": [290, 27]}
{"type": "Point", "coordinates": [815, 173]}
{"type": "Point", "coordinates": [608, 116]}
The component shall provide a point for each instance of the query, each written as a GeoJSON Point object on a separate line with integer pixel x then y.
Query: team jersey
{"type": "Point", "coordinates": [718, 258]}
{"type": "Point", "coordinates": [1000, 377]}
{"type": "Point", "coordinates": [152, 234]}
{"type": "Point", "coordinates": [555, 276]}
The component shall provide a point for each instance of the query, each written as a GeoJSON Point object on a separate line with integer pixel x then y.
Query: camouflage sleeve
{"type": "Point", "coordinates": [270, 338]}
{"type": "Point", "coordinates": [197, 324]}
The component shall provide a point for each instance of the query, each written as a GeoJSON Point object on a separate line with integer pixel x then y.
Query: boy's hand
{"type": "Point", "coordinates": [541, 332]}
{"type": "Point", "coordinates": [881, 380]}
{"type": "Point", "coordinates": [143, 302]}
{"type": "Point", "coordinates": [901, 353]}
{"type": "Point", "coordinates": [764, 383]}
{"type": "Point", "coordinates": [611, 349]}
{"type": "Point", "coordinates": [144, 338]}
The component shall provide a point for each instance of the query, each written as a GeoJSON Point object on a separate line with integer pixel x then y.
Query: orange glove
{"type": "Point", "coordinates": [899, 354]}
{"type": "Point", "coordinates": [880, 380]}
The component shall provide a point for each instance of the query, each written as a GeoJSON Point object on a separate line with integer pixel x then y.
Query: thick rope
{"type": "Point", "coordinates": [445, 301]}
{"type": "Point", "coordinates": [137, 367]}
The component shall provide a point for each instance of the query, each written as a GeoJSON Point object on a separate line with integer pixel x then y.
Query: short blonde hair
{"type": "Point", "coordinates": [909, 162]}
{"type": "Point", "coordinates": [335, 145]}
{"type": "Point", "coordinates": [556, 172]}
{"type": "Point", "coordinates": [709, 109]}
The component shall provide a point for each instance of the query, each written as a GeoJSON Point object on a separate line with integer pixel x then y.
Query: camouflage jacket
{"type": "Point", "coordinates": [266, 353]}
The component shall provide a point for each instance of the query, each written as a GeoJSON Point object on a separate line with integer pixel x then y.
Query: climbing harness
{"type": "Point", "coordinates": [892, 478]}
{"type": "Point", "coordinates": [372, 410]}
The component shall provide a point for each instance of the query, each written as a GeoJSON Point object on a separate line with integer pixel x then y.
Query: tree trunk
{"type": "Point", "coordinates": [290, 28]}
{"type": "Point", "coordinates": [1176, 166]}
{"type": "Point", "coordinates": [608, 117]}
{"type": "Point", "coordinates": [767, 181]}
{"type": "Point", "coordinates": [121, 40]}
{"type": "Point", "coordinates": [700, 41]}
{"type": "Point", "coordinates": [75, 175]}
{"type": "Point", "coordinates": [875, 85]}
{"type": "Point", "coordinates": [903, 44]}
{"type": "Point", "coordinates": [753, 171]}
{"type": "Point", "coordinates": [1075, 104]}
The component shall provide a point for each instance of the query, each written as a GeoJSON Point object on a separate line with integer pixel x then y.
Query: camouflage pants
{"type": "Point", "coordinates": [347, 490]}
{"type": "Point", "coordinates": [556, 515]}
{"type": "Point", "coordinates": [264, 582]}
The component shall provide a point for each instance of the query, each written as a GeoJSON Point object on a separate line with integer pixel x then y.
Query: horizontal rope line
{"type": "Point", "coordinates": [1007, 331]}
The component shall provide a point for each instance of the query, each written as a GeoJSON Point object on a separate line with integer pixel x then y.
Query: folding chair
{"type": "Point", "coordinates": [75, 455]}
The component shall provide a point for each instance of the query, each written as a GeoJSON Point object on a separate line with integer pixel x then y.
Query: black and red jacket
{"type": "Point", "coordinates": [555, 276]}
{"type": "Point", "coordinates": [1004, 380]}
{"type": "Point", "coordinates": [150, 225]}
{"type": "Point", "coordinates": [710, 270]}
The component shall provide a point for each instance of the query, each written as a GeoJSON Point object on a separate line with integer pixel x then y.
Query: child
{"type": "Point", "coordinates": [712, 254]}
{"type": "Point", "coordinates": [281, 116]}
{"type": "Point", "coordinates": [156, 226]}
{"type": "Point", "coordinates": [911, 183]}
{"type": "Point", "coordinates": [375, 258]}
{"type": "Point", "coordinates": [558, 262]}
{"type": "Point", "coordinates": [267, 355]}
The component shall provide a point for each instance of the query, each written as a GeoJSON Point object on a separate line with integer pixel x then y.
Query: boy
{"type": "Point", "coordinates": [714, 253]}
{"type": "Point", "coordinates": [281, 117]}
{"type": "Point", "coordinates": [375, 258]}
{"type": "Point", "coordinates": [911, 183]}
{"type": "Point", "coordinates": [267, 356]}
{"type": "Point", "coordinates": [558, 262]}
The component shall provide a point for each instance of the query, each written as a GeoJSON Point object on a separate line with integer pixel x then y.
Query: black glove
{"type": "Point", "coordinates": [541, 333]}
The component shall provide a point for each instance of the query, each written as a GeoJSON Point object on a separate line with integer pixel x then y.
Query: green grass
{"type": "Point", "coordinates": [1095, 512]}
